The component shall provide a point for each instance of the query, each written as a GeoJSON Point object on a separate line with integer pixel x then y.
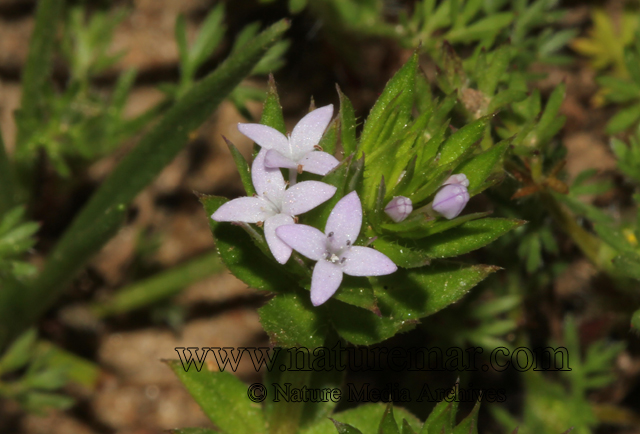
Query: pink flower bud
{"type": "Point", "coordinates": [451, 200]}
{"type": "Point", "coordinates": [459, 178]}
{"type": "Point", "coordinates": [399, 208]}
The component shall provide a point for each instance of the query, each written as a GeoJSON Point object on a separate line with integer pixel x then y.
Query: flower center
{"type": "Point", "coordinates": [270, 206]}
{"type": "Point", "coordinates": [334, 254]}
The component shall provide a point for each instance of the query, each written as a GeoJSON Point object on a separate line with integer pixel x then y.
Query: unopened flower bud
{"type": "Point", "coordinates": [459, 178]}
{"type": "Point", "coordinates": [451, 200]}
{"type": "Point", "coordinates": [399, 208]}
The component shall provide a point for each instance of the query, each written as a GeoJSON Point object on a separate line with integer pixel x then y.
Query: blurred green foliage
{"type": "Point", "coordinates": [481, 114]}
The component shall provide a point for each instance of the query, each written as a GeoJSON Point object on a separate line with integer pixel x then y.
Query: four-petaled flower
{"type": "Point", "coordinates": [300, 150]}
{"type": "Point", "coordinates": [274, 205]}
{"type": "Point", "coordinates": [334, 250]}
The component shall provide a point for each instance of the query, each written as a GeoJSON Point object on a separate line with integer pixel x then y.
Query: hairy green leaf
{"type": "Point", "coordinates": [223, 398]}
{"type": "Point", "coordinates": [467, 237]}
{"type": "Point", "coordinates": [291, 320]}
{"type": "Point", "coordinates": [460, 141]}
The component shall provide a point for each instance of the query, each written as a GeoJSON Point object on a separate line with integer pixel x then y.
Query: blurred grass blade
{"type": "Point", "coordinates": [180, 33]}
{"type": "Point", "coordinates": [160, 286]}
{"type": "Point", "coordinates": [96, 223]}
{"type": "Point", "coordinates": [7, 195]}
{"type": "Point", "coordinates": [21, 305]}
{"type": "Point", "coordinates": [38, 67]}
{"type": "Point", "coordinates": [78, 370]}
{"type": "Point", "coordinates": [19, 353]}
{"type": "Point", "coordinates": [209, 37]}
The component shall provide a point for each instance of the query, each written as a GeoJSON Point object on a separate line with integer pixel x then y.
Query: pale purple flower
{"type": "Point", "coordinates": [299, 150]}
{"type": "Point", "coordinates": [451, 200]}
{"type": "Point", "coordinates": [459, 178]}
{"type": "Point", "coordinates": [274, 204]}
{"type": "Point", "coordinates": [334, 249]}
{"type": "Point", "coordinates": [399, 208]}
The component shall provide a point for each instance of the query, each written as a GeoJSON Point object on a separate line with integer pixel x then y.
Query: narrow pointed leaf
{"type": "Point", "coordinates": [416, 293]}
{"type": "Point", "coordinates": [440, 419]}
{"type": "Point", "coordinates": [347, 125]}
{"type": "Point", "coordinates": [461, 140]}
{"type": "Point", "coordinates": [330, 138]}
{"type": "Point", "coordinates": [243, 168]}
{"type": "Point", "coordinates": [406, 428]}
{"type": "Point", "coordinates": [469, 424]}
{"type": "Point", "coordinates": [467, 237]}
{"type": "Point", "coordinates": [272, 112]}
{"type": "Point", "coordinates": [365, 417]}
{"type": "Point", "coordinates": [388, 425]}
{"type": "Point", "coordinates": [480, 166]}
{"type": "Point", "coordinates": [345, 428]}
{"type": "Point", "coordinates": [400, 88]}
{"type": "Point", "coordinates": [434, 226]}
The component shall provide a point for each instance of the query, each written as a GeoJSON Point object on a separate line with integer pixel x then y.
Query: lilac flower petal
{"type": "Point", "coordinates": [304, 239]}
{"type": "Point", "coordinates": [268, 183]}
{"type": "Point", "coordinates": [266, 137]}
{"type": "Point", "coordinates": [308, 132]}
{"type": "Point", "coordinates": [244, 209]}
{"type": "Point", "coordinates": [459, 178]}
{"type": "Point", "coordinates": [325, 280]}
{"type": "Point", "coordinates": [275, 159]}
{"type": "Point", "coordinates": [281, 251]}
{"type": "Point", "coordinates": [344, 221]}
{"type": "Point", "coordinates": [365, 261]}
{"type": "Point", "coordinates": [399, 208]}
{"type": "Point", "coordinates": [451, 200]}
{"type": "Point", "coordinates": [318, 162]}
{"type": "Point", "coordinates": [305, 196]}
